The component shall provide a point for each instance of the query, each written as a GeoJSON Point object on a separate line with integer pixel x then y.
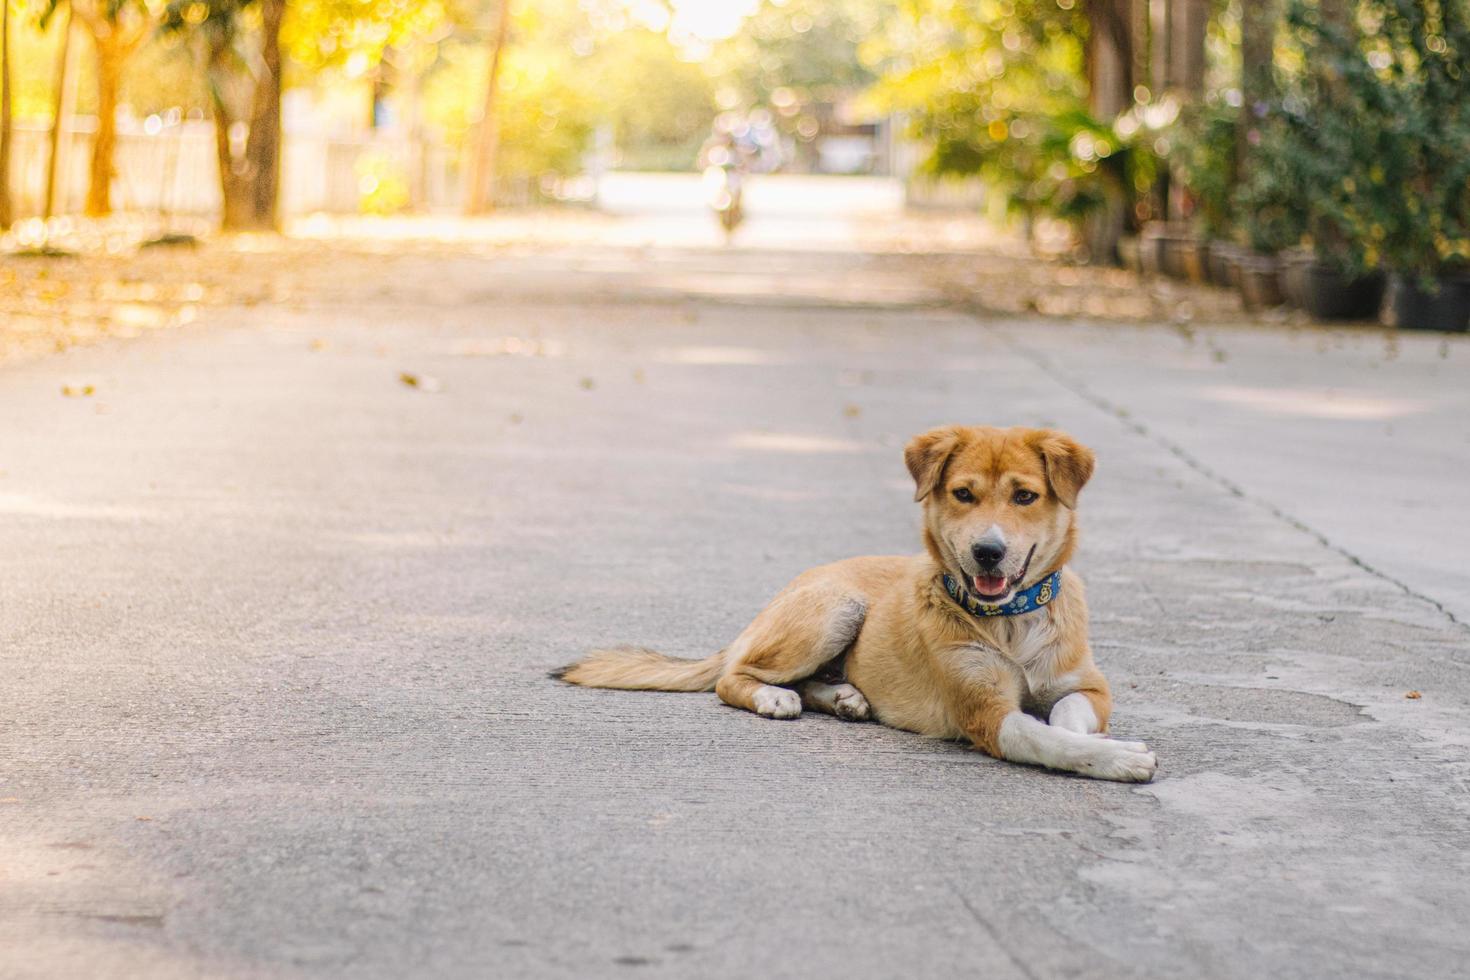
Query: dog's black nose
{"type": "Point", "coordinates": [988, 553]}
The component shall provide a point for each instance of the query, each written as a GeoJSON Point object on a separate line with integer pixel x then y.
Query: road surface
{"type": "Point", "coordinates": [276, 624]}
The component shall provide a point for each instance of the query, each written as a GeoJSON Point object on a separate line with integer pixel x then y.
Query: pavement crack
{"type": "Point", "coordinates": [1122, 415]}
{"type": "Point", "coordinates": [990, 931]}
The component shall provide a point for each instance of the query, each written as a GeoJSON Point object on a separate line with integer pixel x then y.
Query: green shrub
{"type": "Point", "coordinates": [1372, 135]}
{"type": "Point", "coordinates": [1203, 157]}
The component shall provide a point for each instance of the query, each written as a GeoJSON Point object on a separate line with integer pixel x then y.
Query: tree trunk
{"type": "Point", "coordinates": [62, 100]}
{"type": "Point", "coordinates": [480, 187]}
{"type": "Point", "coordinates": [1188, 22]}
{"type": "Point", "coordinates": [1110, 65]}
{"type": "Point", "coordinates": [263, 145]}
{"type": "Point", "coordinates": [231, 176]}
{"type": "Point", "coordinates": [6, 214]}
{"type": "Point", "coordinates": [250, 183]}
{"type": "Point", "coordinates": [1109, 57]}
{"type": "Point", "coordinates": [110, 61]}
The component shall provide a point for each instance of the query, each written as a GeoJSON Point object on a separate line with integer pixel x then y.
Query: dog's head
{"type": "Point", "coordinates": [998, 503]}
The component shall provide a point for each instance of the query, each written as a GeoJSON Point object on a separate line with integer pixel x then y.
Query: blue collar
{"type": "Point", "coordinates": [1022, 602]}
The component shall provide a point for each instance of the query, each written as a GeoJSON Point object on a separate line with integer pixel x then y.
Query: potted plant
{"type": "Point", "coordinates": [1270, 201]}
{"type": "Point", "coordinates": [1203, 159]}
{"type": "Point", "coordinates": [1384, 138]}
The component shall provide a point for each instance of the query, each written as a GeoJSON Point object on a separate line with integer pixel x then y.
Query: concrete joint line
{"type": "Point", "coordinates": [1120, 414]}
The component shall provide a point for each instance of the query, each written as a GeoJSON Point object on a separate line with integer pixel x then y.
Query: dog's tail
{"type": "Point", "coordinates": [641, 669]}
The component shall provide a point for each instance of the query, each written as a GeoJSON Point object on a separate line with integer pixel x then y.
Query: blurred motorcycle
{"type": "Point", "coordinates": [722, 191]}
{"type": "Point", "coordinates": [739, 145]}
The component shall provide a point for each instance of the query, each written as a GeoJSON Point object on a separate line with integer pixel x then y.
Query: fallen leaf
{"type": "Point", "coordinates": [420, 381]}
{"type": "Point", "coordinates": [317, 345]}
{"type": "Point", "coordinates": [516, 418]}
{"type": "Point", "coordinates": [851, 411]}
{"type": "Point", "coordinates": [78, 391]}
{"type": "Point", "coordinates": [144, 819]}
{"type": "Point", "coordinates": [1413, 695]}
{"type": "Point", "coordinates": [587, 384]}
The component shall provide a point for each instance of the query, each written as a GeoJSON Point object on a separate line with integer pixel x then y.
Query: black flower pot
{"type": "Point", "coordinates": [1329, 294]}
{"type": "Point", "coordinates": [1446, 309]}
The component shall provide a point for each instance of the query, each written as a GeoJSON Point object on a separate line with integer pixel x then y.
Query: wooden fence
{"type": "Point", "coordinates": [171, 169]}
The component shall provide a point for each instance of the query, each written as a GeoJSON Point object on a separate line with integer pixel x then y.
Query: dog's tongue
{"type": "Point", "coordinates": [988, 585]}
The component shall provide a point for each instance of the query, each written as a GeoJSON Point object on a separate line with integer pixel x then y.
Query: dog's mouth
{"type": "Point", "coordinates": [997, 588]}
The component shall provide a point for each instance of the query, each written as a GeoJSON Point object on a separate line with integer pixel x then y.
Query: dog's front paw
{"type": "Point", "coordinates": [1074, 713]}
{"type": "Point", "coordinates": [849, 704]}
{"type": "Point", "coordinates": [1123, 762]}
{"type": "Point", "coordinates": [778, 702]}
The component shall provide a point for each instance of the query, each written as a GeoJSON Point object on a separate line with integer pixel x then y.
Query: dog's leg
{"type": "Point", "coordinates": [789, 641]}
{"type": "Point", "coordinates": [842, 700]}
{"type": "Point", "coordinates": [991, 716]}
{"type": "Point", "coordinates": [1086, 704]}
{"type": "Point", "coordinates": [1076, 714]}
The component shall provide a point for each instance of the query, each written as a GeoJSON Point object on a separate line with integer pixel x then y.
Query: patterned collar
{"type": "Point", "coordinates": [1030, 600]}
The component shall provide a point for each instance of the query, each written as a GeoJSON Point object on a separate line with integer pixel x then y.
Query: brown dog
{"type": "Point", "coordinates": [978, 638]}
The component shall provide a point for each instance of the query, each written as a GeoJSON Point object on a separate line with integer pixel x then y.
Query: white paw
{"type": "Point", "coordinates": [849, 704]}
{"type": "Point", "coordinates": [1074, 713]}
{"type": "Point", "coordinates": [1124, 762]}
{"type": "Point", "coordinates": [777, 702]}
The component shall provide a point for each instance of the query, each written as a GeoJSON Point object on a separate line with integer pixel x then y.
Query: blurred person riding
{"type": "Point", "coordinates": [738, 146]}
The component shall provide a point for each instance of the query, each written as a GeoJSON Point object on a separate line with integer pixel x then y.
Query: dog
{"type": "Point", "coordinates": [982, 637]}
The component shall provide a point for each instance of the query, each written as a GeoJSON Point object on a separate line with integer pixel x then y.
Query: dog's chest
{"type": "Point", "coordinates": [1031, 641]}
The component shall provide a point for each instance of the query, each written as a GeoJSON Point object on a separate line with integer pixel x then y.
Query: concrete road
{"type": "Point", "coordinates": [275, 627]}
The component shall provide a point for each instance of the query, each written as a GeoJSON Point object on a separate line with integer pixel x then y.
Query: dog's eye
{"type": "Point", "coordinates": [963, 495]}
{"type": "Point", "coordinates": [1024, 497]}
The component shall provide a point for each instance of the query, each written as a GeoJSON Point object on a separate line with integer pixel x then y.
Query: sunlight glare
{"type": "Point", "coordinates": [710, 20]}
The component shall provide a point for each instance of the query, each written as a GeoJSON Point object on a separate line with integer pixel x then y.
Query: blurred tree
{"type": "Point", "coordinates": [63, 93]}
{"type": "Point", "coordinates": [386, 43]}
{"type": "Point", "coordinates": [1258, 19]}
{"type": "Point", "coordinates": [242, 62]}
{"type": "Point", "coordinates": [5, 120]}
{"type": "Point", "coordinates": [479, 195]}
{"type": "Point", "coordinates": [117, 29]}
{"type": "Point", "coordinates": [799, 58]}
{"type": "Point", "coordinates": [997, 89]}
{"type": "Point", "coordinates": [548, 105]}
{"type": "Point", "coordinates": [659, 106]}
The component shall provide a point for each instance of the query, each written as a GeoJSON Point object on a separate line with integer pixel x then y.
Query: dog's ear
{"type": "Point", "coordinates": [1068, 463]}
{"type": "Point", "coordinates": [925, 456]}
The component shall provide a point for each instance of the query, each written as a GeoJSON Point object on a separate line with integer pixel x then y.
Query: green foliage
{"type": "Point", "coordinates": [546, 111]}
{"type": "Point", "coordinates": [381, 184]}
{"type": "Point", "coordinates": [659, 106]}
{"type": "Point", "coordinates": [1203, 157]}
{"type": "Point", "coordinates": [357, 33]}
{"type": "Point", "coordinates": [1371, 139]}
{"type": "Point", "coordinates": [1409, 86]}
{"type": "Point", "coordinates": [1269, 203]}
{"type": "Point", "coordinates": [997, 88]}
{"type": "Point", "coordinates": [792, 54]}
